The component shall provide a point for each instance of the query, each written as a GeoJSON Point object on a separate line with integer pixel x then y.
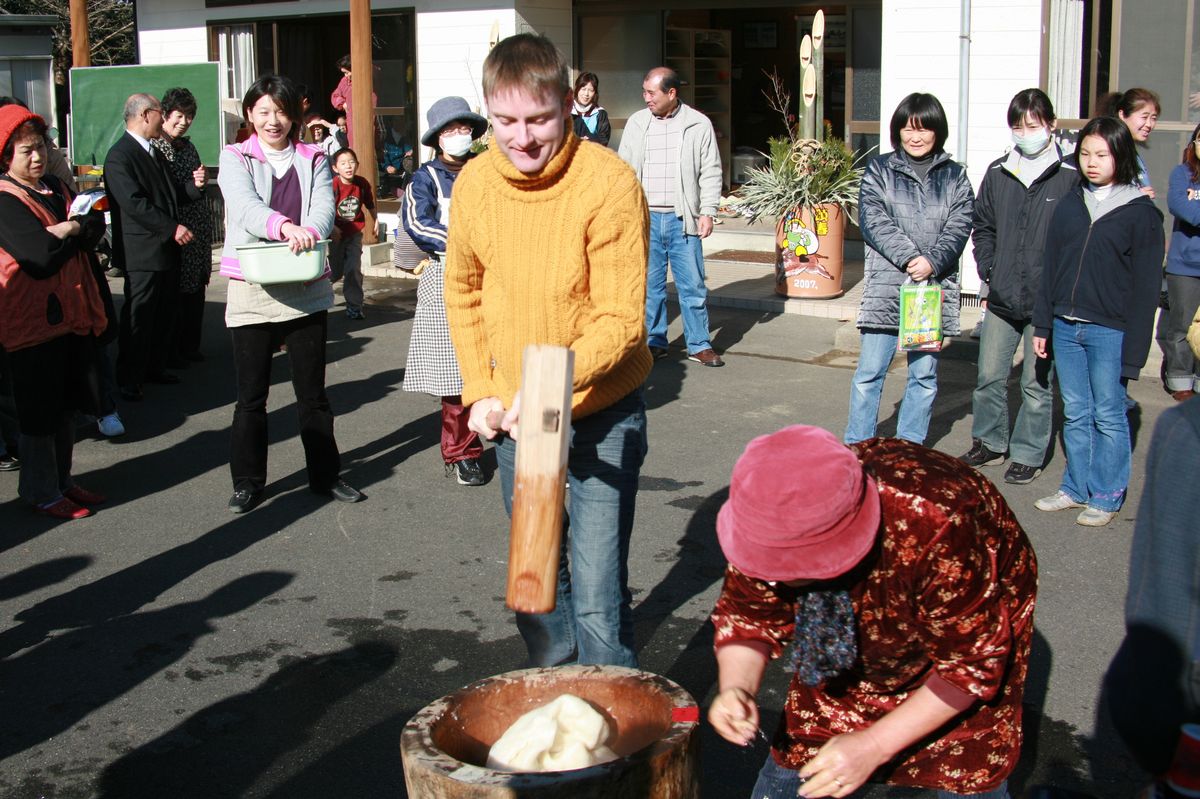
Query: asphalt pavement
{"type": "Point", "coordinates": [167, 648]}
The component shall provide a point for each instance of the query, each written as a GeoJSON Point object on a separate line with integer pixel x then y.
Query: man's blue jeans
{"type": "Point", "coordinates": [877, 350]}
{"type": "Point", "coordinates": [1096, 429]}
{"type": "Point", "coordinates": [777, 782]}
{"type": "Point", "coordinates": [1031, 434]}
{"type": "Point", "coordinates": [592, 622]}
{"type": "Point", "coordinates": [668, 242]}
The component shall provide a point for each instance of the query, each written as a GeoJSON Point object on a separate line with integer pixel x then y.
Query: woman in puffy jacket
{"type": "Point", "coordinates": [1183, 272]}
{"type": "Point", "coordinates": [915, 209]}
{"type": "Point", "coordinates": [50, 313]}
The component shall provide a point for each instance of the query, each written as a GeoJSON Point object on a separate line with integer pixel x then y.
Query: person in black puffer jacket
{"type": "Point", "coordinates": [1012, 213]}
{"type": "Point", "coordinates": [1100, 283]}
{"type": "Point", "coordinates": [915, 209]}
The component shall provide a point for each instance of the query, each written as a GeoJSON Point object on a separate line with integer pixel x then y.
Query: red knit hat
{"type": "Point", "coordinates": [800, 507]}
{"type": "Point", "coordinates": [13, 116]}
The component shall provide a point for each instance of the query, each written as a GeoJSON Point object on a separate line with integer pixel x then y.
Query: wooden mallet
{"type": "Point", "coordinates": [539, 481]}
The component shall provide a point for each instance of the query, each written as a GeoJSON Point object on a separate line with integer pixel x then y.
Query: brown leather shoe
{"type": "Point", "coordinates": [1183, 396]}
{"type": "Point", "coordinates": [706, 358]}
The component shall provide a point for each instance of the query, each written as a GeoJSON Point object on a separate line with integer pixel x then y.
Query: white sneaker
{"type": "Point", "coordinates": [111, 425]}
{"type": "Point", "coordinates": [1094, 517]}
{"type": "Point", "coordinates": [1060, 500]}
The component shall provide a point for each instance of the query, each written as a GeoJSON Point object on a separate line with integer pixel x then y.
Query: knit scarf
{"type": "Point", "coordinates": [826, 635]}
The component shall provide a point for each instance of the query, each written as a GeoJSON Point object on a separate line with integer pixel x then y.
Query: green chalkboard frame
{"type": "Point", "coordinates": [98, 97]}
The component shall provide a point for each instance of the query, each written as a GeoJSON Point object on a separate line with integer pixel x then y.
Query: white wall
{"type": "Point", "coordinates": [173, 45]}
{"type": "Point", "coordinates": [920, 53]}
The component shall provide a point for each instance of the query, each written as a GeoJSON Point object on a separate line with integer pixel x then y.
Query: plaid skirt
{"type": "Point", "coordinates": [432, 366]}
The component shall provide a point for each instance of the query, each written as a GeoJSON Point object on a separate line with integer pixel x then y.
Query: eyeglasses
{"type": "Point", "coordinates": [452, 130]}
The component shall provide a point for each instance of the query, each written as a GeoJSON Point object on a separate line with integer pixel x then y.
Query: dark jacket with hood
{"type": "Point", "coordinates": [903, 215]}
{"type": "Point", "coordinates": [1106, 271]}
{"type": "Point", "coordinates": [1011, 220]}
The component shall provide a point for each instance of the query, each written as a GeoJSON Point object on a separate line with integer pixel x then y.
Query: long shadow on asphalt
{"type": "Point", "coordinates": [322, 726]}
{"type": "Point", "coordinates": [54, 685]}
{"type": "Point", "coordinates": [126, 591]}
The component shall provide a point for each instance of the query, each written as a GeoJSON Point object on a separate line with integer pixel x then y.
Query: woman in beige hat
{"type": "Point", "coordinates": [906, 587]}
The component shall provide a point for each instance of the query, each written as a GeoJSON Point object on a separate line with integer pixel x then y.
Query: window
{"type": "Point", "coordinates": [1076, 55]}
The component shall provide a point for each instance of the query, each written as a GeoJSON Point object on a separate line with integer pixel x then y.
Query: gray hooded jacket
{"type": "Point", "coordinates": [902, 217]}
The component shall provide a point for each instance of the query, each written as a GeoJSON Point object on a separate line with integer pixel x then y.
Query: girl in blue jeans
{"type": "Point", "coordinates": [1094, 313]}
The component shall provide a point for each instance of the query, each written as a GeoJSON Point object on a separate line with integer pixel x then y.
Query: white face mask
{"type": "Point", "coordinates": [1033, 143]}
{"type": "Point", "coordinates": [457, 145]}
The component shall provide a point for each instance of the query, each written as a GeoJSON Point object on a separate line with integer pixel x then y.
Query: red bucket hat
{"type": "Point", "coordinates": [13, 116]}
{"type": "Point", "coordinates": [800, 507]}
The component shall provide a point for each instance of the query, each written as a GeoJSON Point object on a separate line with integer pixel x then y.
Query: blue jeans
{"type": "Point", "coordinates": [878, 349]}
{"type": "Point", "coordinates": [668, 242]}
{"type": "Point", "coordinates": [592, 622]}
{"type": "Point", "coordinates": [777, 782]}
{"type": "Point", "coordinates": [989, 405]}
{"type": "Point", "coordinates": [1096, 429]}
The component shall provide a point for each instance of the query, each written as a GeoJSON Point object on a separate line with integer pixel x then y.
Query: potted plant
{"type": "Point", "coordinates": [809, 186]}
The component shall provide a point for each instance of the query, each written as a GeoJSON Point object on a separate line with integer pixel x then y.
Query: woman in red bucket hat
{"type": "Point", "coordinates": [906, 588]}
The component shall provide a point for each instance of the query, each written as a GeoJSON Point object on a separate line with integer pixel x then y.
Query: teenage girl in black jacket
{"type": "Point", "coordinates": [1100, 283]}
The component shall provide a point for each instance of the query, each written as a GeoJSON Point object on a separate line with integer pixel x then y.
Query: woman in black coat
{"type": "Point", "coordinates": [589, 117]}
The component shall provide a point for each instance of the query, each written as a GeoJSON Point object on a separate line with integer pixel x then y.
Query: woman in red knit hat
{"type": "Point", "coordinates": [906, 587]}
{"type": "Point", "coordinates": [50, 313]}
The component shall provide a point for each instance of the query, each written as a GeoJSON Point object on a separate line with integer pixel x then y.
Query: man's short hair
{"type": "Point", "coordinates": [526, 62]}
{"type": "Point", "coordinates": [667, 79]}
{"type": "Point", "coordinates": [137, 104]}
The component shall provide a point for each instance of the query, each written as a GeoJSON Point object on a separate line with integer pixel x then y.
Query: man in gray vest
{"type": "Point", "coordinates": [673, 150]}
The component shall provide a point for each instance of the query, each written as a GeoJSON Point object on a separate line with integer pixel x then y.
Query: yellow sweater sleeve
{"type": "Point", "coordinates": [617, 249]}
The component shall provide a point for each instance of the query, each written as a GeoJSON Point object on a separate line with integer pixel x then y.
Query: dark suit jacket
{"type": "Point", "coordinates": [144, 203]}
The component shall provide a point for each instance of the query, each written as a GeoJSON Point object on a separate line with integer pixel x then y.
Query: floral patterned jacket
{"type": "Point", "coordinates": [949, 587]}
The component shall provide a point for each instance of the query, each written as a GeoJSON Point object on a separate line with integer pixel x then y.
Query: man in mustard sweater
{"type": "Point", "coordinates": [547, 245]}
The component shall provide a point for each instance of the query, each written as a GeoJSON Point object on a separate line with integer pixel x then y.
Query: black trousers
{"type": "Point", "coordinates": [253, 346]}
{"type": "Point", "coordinates": [189, 323]}
{"type": "Point", "coordinates": [147, 324]}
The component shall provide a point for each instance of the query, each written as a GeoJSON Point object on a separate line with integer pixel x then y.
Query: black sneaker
{"type": "Point", "coordinates": [468, 473]}
{"type": "Point", "coordinates": [981, 455]}
{"type": "Point", "coordinates": [1020, 474]}
{"type": "Point", "coordinates": [9, 463]}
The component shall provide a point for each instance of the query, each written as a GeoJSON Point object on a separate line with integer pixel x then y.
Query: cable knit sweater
{"type": "Point", "coordinates": [557, 257]}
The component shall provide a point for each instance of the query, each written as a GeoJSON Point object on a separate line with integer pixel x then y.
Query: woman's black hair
{"type": "Point", "coordinates": [1032, 102]}
{"type": "Point", "coordinates": [344, 62]}
{"type": "Point", "coordinates": [179, 99]}
{"type": "Point", "coordinates": [30, 127]}
{"type": "Point", "coordinates": [1127, 102]}
{"type": "Point", "coordinates": [283, 92]}
{"type": "Point", "coordinates": [924, 111]}
{"type": "Point", "coordinates": [584, 79]}
{"type": "Point", "coordinates": [1120, 143]}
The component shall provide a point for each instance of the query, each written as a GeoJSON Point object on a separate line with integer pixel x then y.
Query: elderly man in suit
{"type": "Point", "coordinates": [146, 239]}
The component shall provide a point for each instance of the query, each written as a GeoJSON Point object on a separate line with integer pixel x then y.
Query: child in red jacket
{"type": "Point", "coordinates": [351, 194]}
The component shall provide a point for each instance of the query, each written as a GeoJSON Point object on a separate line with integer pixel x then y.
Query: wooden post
{"type": "Point", "coordinates": [818, 62]}
{"type": "Point", "coordinates": [362, 82]}
{"type": "Point", "coordinates": [540, 477]}
{"type": "Point", "coordinates": [81, 49]}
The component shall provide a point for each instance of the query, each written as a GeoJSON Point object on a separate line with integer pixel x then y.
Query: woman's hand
{"type": "Point", "coordinates": [64, 230]}
{"type": "Point", "coordinates": [842, 765]}
{"type": "Point", "coordinates": [298, 239]}
{"type": "Point", "coordinates": [1148, 191]}
{"type": "Point", "coordinates": [1039, 347]}
{"type": "Point", "coordinates": [734, 715]}
{"type": "Point", "coordinates": [919, 269]}
{"type": "Point", "coordinates": [200, 177]}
